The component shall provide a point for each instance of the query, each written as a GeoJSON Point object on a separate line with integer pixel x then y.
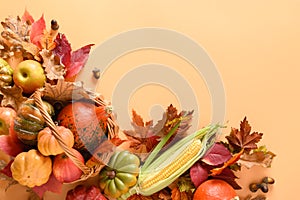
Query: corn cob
{"type": "Point", "coordinates": [174, 166]}
{"type": "Point", "coordinates": [171, 164]}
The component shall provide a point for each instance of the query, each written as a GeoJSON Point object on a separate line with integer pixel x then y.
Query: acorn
{"type": "Point", "coordinates": [268, 180]}
{"type": "Point", "coordinates": [264, 187]}
{"type": "Point", "coordinates": [254, 187]}
{"type": "Point", "coordinates": [96, 73]}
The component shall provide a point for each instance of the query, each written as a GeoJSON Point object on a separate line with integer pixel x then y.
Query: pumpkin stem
{"type": "Point", "coordinates": [111, 174]}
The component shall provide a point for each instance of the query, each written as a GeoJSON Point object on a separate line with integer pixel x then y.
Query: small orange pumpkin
{"type": "Point", "coordinates": [31, 168]}
{"type": "Point", "coordinates": [47, 143]}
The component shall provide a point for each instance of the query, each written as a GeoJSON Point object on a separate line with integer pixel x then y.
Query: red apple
{"type": "Point", "coordinates": [29, 75]}
{"type": "Point", "coordinates": [7, 116]}
{"type": "Point", "coordinates": [64, 169]}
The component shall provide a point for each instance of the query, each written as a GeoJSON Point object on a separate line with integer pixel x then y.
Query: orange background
{"type": "Point", "coordinates": [254, 44]}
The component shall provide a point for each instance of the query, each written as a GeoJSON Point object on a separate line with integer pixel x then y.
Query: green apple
{"type": "Point", "coordinates": [29, 75]}
{"type": "Point", "coordinates": [7, 116]}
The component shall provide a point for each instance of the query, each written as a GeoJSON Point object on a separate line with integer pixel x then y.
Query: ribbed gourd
{"type": "Point", "coordinates": [120, 174]}
{"type": "Point", "coordinates": [48, 144]}
{"type": "Point", "coordinates": [29, 121]}
{"type": "Point", "coordinates": [6, 73]}
{"type": "Point", "coordinates": [31, 168]}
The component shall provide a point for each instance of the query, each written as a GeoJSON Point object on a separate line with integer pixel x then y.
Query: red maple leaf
{"type": "Point", "coordinates": [73, 61]}
{"type": "Point", "coordinates": [37, 31]}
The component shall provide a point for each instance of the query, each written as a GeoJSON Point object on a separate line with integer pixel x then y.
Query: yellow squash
{"type": "Point", "coordinates": [31, 168]}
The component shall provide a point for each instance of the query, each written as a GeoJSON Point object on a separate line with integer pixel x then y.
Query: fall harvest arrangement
{"type": "Point", "coordinates": [58, 132]}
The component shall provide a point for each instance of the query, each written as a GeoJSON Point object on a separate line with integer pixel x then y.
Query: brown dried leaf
{"type": "Point", "coordinates": [33, 195]}
{"type": "Point", "coordinates": [255, 158]}
{"type": "Point", "coordinates": [20, 28]}
{"type": "Point", "coordinates": [141, 139]}
{"type": "Point", "coordinates": [106, 149]}
{"type": "Point", "coordinates": [177, 195]}
{"type": "Point", "coordinates": [53, 68]}
{"type": "Point", "coordinates": [47, 40]}
{"type": "Point", "coordinates": [31, 49]}
{"type": "Point", "coordinates": [12, 96]}
{"type": "Point", "coordinates": [170, 119]}
{"type": "Point", "coordinates": [140, 197]}
{"type": "Point", "coordinates": [15, 38]}
{"type": "Point", "coordinates": [66, 91]}
{"type": "Point", "coordinates": [163, 194]}
{"type": "Point", "coordinates": [258, 197]}
{"type": "Point", "coordinates": [242, 139]}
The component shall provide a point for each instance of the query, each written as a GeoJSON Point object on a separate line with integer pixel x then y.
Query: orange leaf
{"type": "Point", "coordinates": [177, 195]}
{"type": "Point", "coordinates": [231, 161]}
{"type": "Point", "coordinates": [27, 17]}
{"type": "Point", "coordinates": [139, 197]}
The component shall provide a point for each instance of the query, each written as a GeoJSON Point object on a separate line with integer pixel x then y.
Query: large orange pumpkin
{"type": "Point", "coordinates": [87, 122]}
{"type": "Point", "coordinates": [215, 189]}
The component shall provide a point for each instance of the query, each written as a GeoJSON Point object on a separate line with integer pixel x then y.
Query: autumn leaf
{"type": "Point", "coordinates": [169, 120]}
{"type": "Point", "coordinates": [10, 146]}
{"type": "Point", "coordinates": [37, 31]}
{"type": "Point", "coordinates": [66, 91]}
{"type": "Point", "coordinates": [141, 139]}
{"type": "Point", "coordinates": [6, 175]}
{"type": "Point", "coordinates": [12, 96]}
{"type": "Point", "coordinates": [258, 157]}
{"type": "Point", "coordinates": [52, 185]}
{"type": "Point", "coordinates": [6, 170]}
{"type": "Point", "coordinates": [163, 195]}
{"type": "Point", "coordinates": [51, 63]}
{"type": "Point", "coordinates": [198, 174]}
{"type": "Point", "coordinates": [31, 51]}
{"type": "Point", "coordinates": [184, 183]}
{"type": "Point", "coordinates": [242, 139]}
{"type": "Point", "coordinates": [47, 40]}
{"type": "Point", "coordinates": [105, 150]}
{"type": "Point", "coordinates": [63, 49]}
{"type": "Point", "coordinates": [178, 195]}
{"type": "Point", "coordinates": [258, 197]}
{"type": "Point", "coordinates": [27, 17]}
{"type": "Point", "coordinates": [228, 175]}
{"type": "Point", "coordinates": [49, 36]}
{"type": "Point", "coordinates": [16, 29]}
{"type": "Point", "coordinates": [139, 197]}
{"type": "Point", "coordinates": [15, 40]}
{"type": "Point", "coordinates": [217, 155]}
{"type": "Point", "coordinates": [73, 61]}
{"type": "Point", "coordinates": [231, 161]}
{"type": "Point", "coordinates": [78, 60]}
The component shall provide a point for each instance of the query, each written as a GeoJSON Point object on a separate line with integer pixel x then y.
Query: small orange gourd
{"type": "Point", "coordinates": [31, 168]}
{"type": "Point", "coordinates": [48, 144]}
